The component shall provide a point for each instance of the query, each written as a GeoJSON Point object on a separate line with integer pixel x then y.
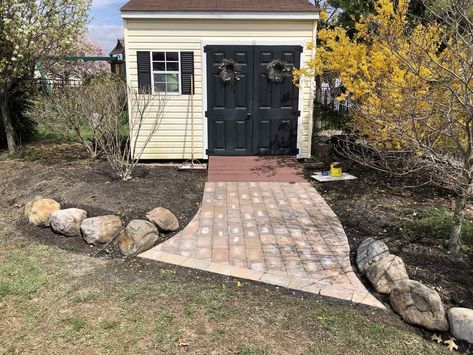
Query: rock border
{"type": "Point", "coordinates": [416, 303]}
{"type": "Point", "coordinates": [135, 238]}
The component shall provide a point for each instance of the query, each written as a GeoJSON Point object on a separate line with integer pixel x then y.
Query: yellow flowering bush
{"type": "Point", "coordinates": [411, 85]}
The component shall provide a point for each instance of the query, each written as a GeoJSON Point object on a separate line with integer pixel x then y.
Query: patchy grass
{"type": "Point", "coordinates": [432, 223]}
{"type": "Point", "coordinates": [59, 300]}
{"type": "Point", "coordinates": [21, 274]}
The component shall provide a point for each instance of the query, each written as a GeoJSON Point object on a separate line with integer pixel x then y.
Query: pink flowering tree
{"type": "Point", "coordinates": [67, 69]}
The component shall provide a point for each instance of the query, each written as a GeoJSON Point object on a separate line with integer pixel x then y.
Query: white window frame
{"type": "Point", "coordinates": [167, 72]}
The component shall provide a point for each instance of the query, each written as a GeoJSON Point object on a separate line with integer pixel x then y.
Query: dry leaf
{"type": "Point", "coordinates": [451, 344]}
{"type": "Point", "coordinates": [436, 338]}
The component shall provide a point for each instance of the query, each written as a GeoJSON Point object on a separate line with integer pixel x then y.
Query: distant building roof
{"type": "Point", "coordinates": [221, 5]}
{"type": "Point", "coordinates": [119, 48]}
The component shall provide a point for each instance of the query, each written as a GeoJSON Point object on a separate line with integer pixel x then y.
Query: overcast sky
{"type": "Point", "coordinates": [106, 24]}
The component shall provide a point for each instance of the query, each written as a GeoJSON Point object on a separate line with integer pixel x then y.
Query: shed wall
{"type": "Point", "coordinates": [172, 140]}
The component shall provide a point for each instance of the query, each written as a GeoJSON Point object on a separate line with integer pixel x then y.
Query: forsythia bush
{"type": "Point", "coordinates": [404, 79]}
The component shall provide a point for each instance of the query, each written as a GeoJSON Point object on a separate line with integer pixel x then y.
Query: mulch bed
{"type": "Point", "coordinates": [368, 206]}
{"type": "Point", "coordinates": [64, 173]}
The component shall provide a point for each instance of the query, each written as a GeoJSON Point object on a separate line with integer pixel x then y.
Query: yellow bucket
{"type": "Point", "coordinates": [336, 169]}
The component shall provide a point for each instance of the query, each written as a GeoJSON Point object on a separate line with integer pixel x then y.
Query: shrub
{"type": "Point", "coordinates": [433, 223]}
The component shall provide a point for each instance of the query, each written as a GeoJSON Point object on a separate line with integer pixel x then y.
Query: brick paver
{"type": "Point", "coordinates": [279, 233]}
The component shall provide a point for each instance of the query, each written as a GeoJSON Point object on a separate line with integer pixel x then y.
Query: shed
{"type": "Point", "coordinates": [239, 55]}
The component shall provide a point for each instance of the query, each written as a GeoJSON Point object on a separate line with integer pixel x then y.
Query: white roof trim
{"type": "Point", "coordinates": [220, 15]}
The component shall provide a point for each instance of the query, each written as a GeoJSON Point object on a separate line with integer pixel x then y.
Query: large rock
{"type": "Point", "coordinates": [38, 211]}
{"type": "Point", "coordinates": [137, 237]}
{"type": "Point", "coordinates": [461, 323]}
{"type": "Point", "coordinates": [369, 251]}
{"type": "Point", "coordinates": [385, 272]}
{"type": "Point", "coordinates": [164, 219]}
{"type": "Point", "coordinates": [99, 230]}
{"type": "Point", "coordinates": [419, 305]}
{"type": "Point", "coordinates": [67, 222]}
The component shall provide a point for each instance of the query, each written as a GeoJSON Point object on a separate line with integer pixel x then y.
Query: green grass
{"type": "Point", "coordinates": [21, 274]}
{"type": "Point", "coordinates": [49, 302]}
{"type": "Point", "coordinates": [253, 350]}
{"type": "Point", "coordinates": [84, 296]}
{"type": "Point", "coordinates": [433, 224]}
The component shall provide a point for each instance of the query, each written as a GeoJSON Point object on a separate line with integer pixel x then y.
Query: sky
{"type": "Point", "coordinates": [106, 25]}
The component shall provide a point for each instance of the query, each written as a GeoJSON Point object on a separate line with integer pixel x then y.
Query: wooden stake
{"type": "Point", "coordinates": [192, 120]}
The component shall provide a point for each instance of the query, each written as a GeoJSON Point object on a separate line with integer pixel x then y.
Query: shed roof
{"type": "Point", "coordinates": [295, 6]}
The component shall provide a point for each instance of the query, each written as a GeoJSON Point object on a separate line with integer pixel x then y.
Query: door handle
{"type": "Point", "coordinates": [248, 115]}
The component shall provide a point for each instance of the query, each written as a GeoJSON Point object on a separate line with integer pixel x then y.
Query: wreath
{"type": "Point", "coordinates": [229, 71]}
{"type": "Point", "coordinates": [278, 70]}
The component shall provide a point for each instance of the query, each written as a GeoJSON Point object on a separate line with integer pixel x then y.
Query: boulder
{"type": "Point", "coordinates": [419, 305]}
{"type": "Point", "coordinates": [67, 222]}
{"type": "Point", "coordinates": [38, 211]}
{"type": "Point", "coordinates": [385, 272]}
{"type": "Point", "coordinates": [163, 219]}
{"type": "Point", "coordinates": [137, 237]}
{"type": "Point", "coordinates": [99, 230]}
{"type": "Point", "coordinates": [369, 251]}
{"type": "Point", "coordinates": [461, 323]}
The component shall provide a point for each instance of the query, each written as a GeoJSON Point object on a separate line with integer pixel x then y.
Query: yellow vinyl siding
{"type": "Point", "coordinates": [172, 139]}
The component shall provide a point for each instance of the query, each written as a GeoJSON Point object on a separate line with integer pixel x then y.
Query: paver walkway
{"type": "Point", "coordinates": [279, 233]}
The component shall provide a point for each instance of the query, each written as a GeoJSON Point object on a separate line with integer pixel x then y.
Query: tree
{"type": "Point", "coordinates": [411, 84]}
{"type": "Point", "coordinates": [31, 30]}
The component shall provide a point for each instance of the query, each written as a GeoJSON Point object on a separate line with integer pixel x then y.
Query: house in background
{"type": "Point", "coordinates": [239, 55]}
{"type": "Point", "coordinates": [118, 67]}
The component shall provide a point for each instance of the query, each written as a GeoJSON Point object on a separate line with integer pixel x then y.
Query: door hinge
{"type": "Point", "coordinates": [206, 113]}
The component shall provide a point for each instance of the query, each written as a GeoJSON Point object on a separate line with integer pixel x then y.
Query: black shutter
{"type": "Point", "coordinates": [144, 72]}
{"type": "Point", "coordinates": [187, 71]}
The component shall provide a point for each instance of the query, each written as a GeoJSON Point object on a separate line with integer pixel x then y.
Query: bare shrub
{"type": "Point", "coordinates": [123, 141]}
{"type": "Point", "coordinates": [63, 112]}
{"type": "Point", "coordinates": [95, 112]}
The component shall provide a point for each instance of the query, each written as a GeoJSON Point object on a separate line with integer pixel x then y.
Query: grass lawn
{"type": "Point", "coordinates": [57, 301]}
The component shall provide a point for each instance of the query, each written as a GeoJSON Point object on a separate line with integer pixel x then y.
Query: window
{"type": "Point", "coordinates": [166, 77]}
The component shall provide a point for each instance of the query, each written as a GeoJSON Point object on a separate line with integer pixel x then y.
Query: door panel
{"type": "Point", "coordinates": [276, 105]}
{"type": "Point", "coordinates": [229, 126]}
{"type": "Point", "coordinates": [253, 116]}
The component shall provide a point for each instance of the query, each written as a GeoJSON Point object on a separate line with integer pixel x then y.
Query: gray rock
{"type": "Point", "coordinates": [163, 219]}
{"type": "Point", "coordinates": [67, 222]}
{"type": "Point", "coordinates": [369, 251]}
{"type": "Point", "coordinates": [461, 323]}
{"type": "Point", "coordinates": [385, 272]}
{"type": "Point", "coordinates": [99, 230]}
{"type": "Point", "coordinates": [419, 305]}
{"type": "Point", "coordinates": [137, 237]}
{"type": "Point", "coordinates": [38, 211]}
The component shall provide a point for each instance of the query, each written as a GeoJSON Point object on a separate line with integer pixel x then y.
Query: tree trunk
{"type": "Point", "coordinates": [455, 233]}
{"type": "Point", "coordinates": [7, 123]}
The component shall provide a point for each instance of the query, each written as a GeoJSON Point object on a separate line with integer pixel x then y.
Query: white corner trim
{"type": "Point", "coordinates": [220, 15]}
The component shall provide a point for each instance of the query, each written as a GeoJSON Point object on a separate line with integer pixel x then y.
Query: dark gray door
{"type": "Point", "coordinates": [254, 115]}
{"type": "Point", "coordinates": [230, 105]}
{"type": "Point", "coordinates": [276, 104]}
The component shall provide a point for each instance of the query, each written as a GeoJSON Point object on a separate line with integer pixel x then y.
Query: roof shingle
{"type": "Point", "coordinates": [221, 5]}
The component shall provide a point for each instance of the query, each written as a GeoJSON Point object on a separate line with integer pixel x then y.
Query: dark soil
{"type": "Point", "coordinates": [367, 207]}
{"type": "Point", "coordinates": [372, 204]}
{"type": "Point", "coordinates": [64, 173]}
